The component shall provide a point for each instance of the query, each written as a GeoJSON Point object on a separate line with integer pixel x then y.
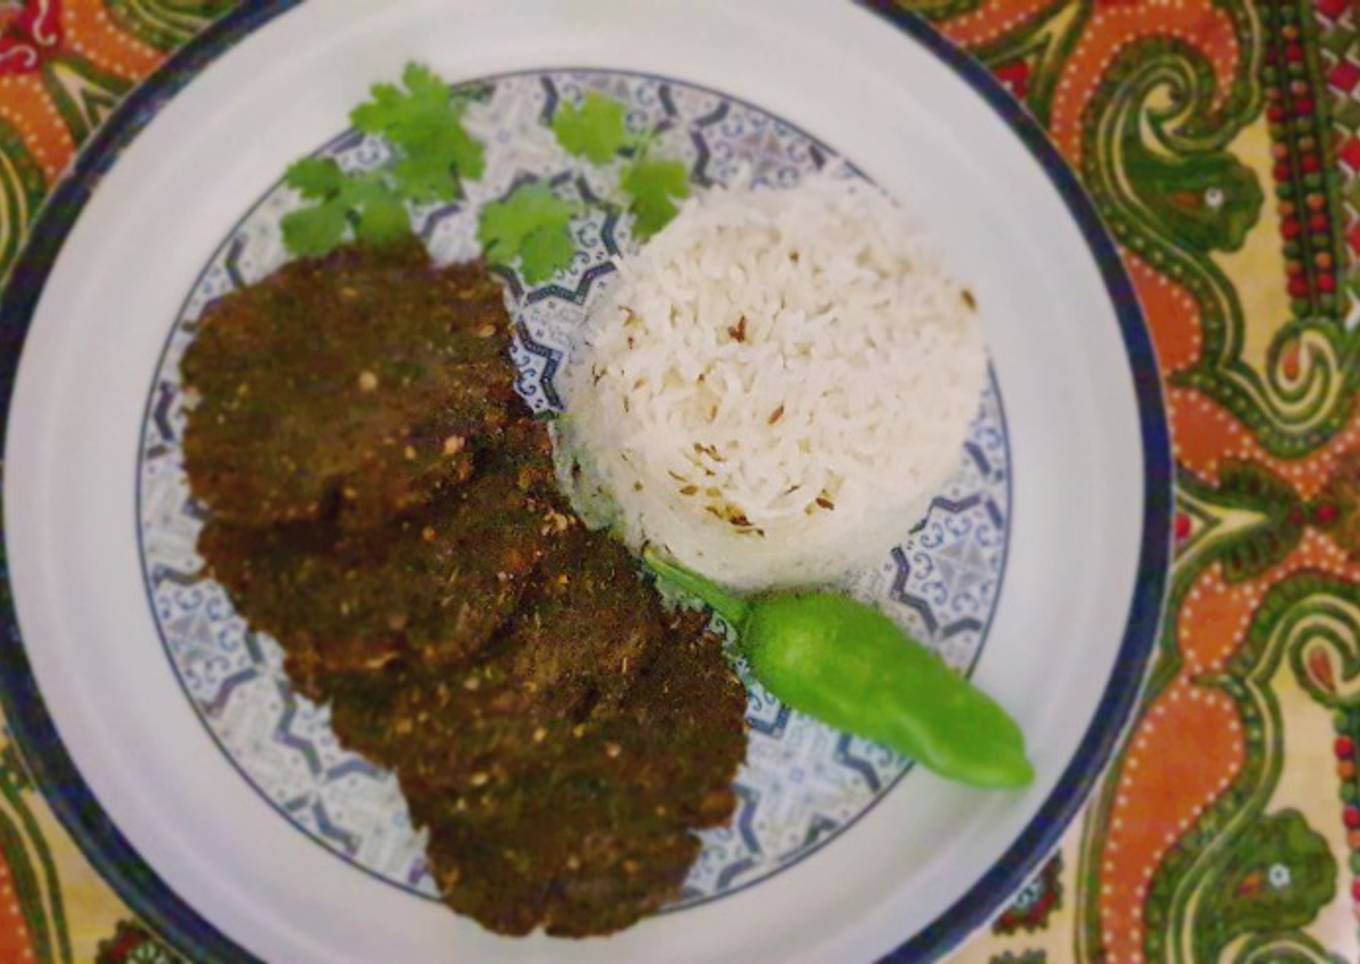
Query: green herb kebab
{"type": "Point", "coordinates": [382, 504]}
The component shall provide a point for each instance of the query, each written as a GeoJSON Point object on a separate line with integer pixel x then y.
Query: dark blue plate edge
{"type": "Point", "coordinates": [1112, 715]}
{"type": "Point", "coordinates": [138, 885]}
{"type": "Point", "coordinates": [69, 796]}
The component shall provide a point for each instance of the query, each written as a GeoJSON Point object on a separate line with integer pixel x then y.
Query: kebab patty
{"type": "Point", "coordinates": [429, 587]}
{"type": "Point", "coordinates": [557, 731]}
{"type": "Point", "coordinates": [351, 387]}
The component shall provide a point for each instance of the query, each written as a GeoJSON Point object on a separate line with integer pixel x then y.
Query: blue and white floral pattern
{"type": "Point", "coordinates": [803, 783]}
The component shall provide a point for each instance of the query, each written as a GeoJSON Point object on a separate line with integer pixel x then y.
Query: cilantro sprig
{"type": "Point", "coordinates": [532, 227]}
{"type": "Point", "coordinates": [425, 124]}
{"type": "Point", "coordinates": [654, 187]}
{"type": "Point", "coordinates": [598, 131]}
{"type": "Point", "coordinates": [432, 152]}
{"type": "Point", "coordinates": [364, 203]}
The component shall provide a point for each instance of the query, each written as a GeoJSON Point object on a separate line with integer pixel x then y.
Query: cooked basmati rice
{"type": "Point", "coordinates": [775, 386]}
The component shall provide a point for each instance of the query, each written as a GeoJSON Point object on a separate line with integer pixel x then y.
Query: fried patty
{"type": "Point", "coordinates": [561, 770]}
{"type": "Point", "coordinates": [428, 588]}
{"type": "Point", "coordinates": [579, 823]}
{"type": "Point", "coordinates": [557, 731]}
{"type": "Point", "coordinates": [354, 386]}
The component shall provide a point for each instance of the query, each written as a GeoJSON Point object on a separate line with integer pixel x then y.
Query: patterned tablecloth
{"type": "Point", "coordinates": [1221, 141]}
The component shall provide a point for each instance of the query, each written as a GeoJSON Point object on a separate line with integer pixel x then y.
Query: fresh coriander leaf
{"type": "Point", "coordinates": [654, 186]}
{"type": "Point", "coordinates": [382, 219]}
{"type": "Point", "coordinates": [423, 179]}
{"type": "Point", "coordinates": [500, 231]}
{"type": "Point", "coordinates": [425, 124]}
{"type": "Point", "coordinates": [597, 130]}
{"type": "Point", "coordinates": [381, 112]}
{"type": "Point", "coordinates": [365, 201]}
{"type": "Point", "coordinates": [410, 116]}
{"type": "Point", "coordinates": [432, 174]}
{"type": "Point", "coordinates": [317, 178]}
{"type": "Point", "coordinates": [424, 83]}
{"type": "Point", "coordinates": [377, 211]}
{"type": "Point", "coordinates": [532, 225]}
{"type": "Point", "coordinates": [317, 230]}
{"type": "Point", "coordinates": [546, 252]}
{"type": "Point", "coordinates": [466, 151]}
{"type": "Point", "coordinates": [505, 224]}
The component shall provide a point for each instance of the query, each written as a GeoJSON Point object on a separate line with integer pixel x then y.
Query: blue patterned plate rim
{"type": "Point", "coordinates": [76, 806]}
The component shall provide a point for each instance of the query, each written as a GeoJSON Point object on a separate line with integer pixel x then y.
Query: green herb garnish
{"type": "Point", "coordinates": [363, 202]}
{"type": "Point", "coordinates": [431, 149]}
{"type": "Point", "coordinates": [654, 187]}
{"type": "Point", "coordinates": [531, 226]}
{"type": "Point", "coordinates": [425, 124]}
{"type": "Point", "coordinates": [432, 153]}
{"type": "Point", "coordinates": [597, 130]}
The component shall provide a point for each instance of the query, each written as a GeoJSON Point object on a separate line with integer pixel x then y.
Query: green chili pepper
{"type": "Point", "coordinates": [848, 665]}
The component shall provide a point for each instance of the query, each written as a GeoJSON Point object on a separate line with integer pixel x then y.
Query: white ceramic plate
{"type": "Point", "coordinates": [193, 758]}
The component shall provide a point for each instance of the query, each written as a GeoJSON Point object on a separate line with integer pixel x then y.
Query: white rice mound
{"type": "Point", "coordinates": [775, 386]}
